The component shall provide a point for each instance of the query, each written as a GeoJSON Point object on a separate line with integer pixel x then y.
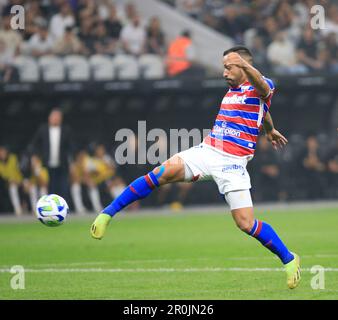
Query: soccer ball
{"type": "Point", "coordinates": [52, 210]}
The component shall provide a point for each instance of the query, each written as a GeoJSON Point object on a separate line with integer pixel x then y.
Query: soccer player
{"type": "Point", "coordinates": [223, 156]}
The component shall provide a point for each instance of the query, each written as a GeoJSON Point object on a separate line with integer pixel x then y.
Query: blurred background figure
{"type": "Point", "coordinates": [7, 69]}
{"type": "Point", "coordinates": [36, 183]}
{"type": "Point", "coordinates": [68, 43]}
{"type": "Point", "coordinates": [282, 55]}
{"type": "Point", "coordinates": [266, 172]}
{"type": "Point", "coordinates": [98, 168]}
{"type": "Point", "coordinates": [41, 42]}
{"type": "Point", "coordinates": [53, 142]}
{"type": "Point", "coordinates": [133, 36]}
{"type": "Point", "coordinates": [332, 170]}
{"type": "Point", "coordinates": [11, 178]}
{"type": "Point", "coordinates": [95, 172]}
{"type": "Point", "coordinates": [155, 41]}
{"type": "Point", "coordinates": [62, 20]}
{"type": "Point", "coordinates": [313, 169]}
{"type": "Point", "coordinates": [181, 57]}
{"type": "Point", "coordinates": [77, 179]}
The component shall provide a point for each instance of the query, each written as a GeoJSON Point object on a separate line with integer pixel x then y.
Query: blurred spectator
{"type": "Point", "coordinates": [41, 43]}
{"type": "Point", "coordinates": [331, 23]}
{"type": "Point", "coordinates": [113, 24]}
{"type": "Point", "coordinates": [36, 184]}
{"type": "Point", "coordinates": [308, 51]}
{"type": "Point", "coordinates": [103, 44]}
{"type": "Point", "coordinates": [133, 37]}
{"type": "Point", "coordinates": [192, 8]}
{"type": "Point", "coordinates": [77, 177]}
{"type": "Point", "coordinates": [6, 63]}
{"type": "Point", "coordinates": [54, 145]}
{"type": "Point", "coordinates": [259, 53]}
{"type": "Point", "coordinates": [331, 44]}
{"type": "Point", "coordinates": [103, 9]}
{"type": "Point", "coordinates": [155, 43]}
{"type": "Point", "coordinates": [282, 55]}
{"type": "Point", "coordinates": [266, 172]}
{"type": "Point", "coordinates": [313, 168]}
{"type": "Point", "coordinates": [180, 57]}
{"type": "Point", "coordinates": [128, 14]}
{"type": "Point", "coordinates": [60, 21]}
{"type": "Point", "coordinates": [92, 172]}
{"type": "Point", "coordinates": [267, 30]}
{"type": "Point", "coordinates": [284, 14]}
{"type": "Point", "coordinates": [211, 21]}
{"type": "Point", "coordinates": [11, 38]}
{"type": "Point", "coordinates": [231, 24]}
{"type": "Point", "coordinates": [104, 175]}
{"type": "Point", "coordinates": [33, 16]}
{"type": "Point", "coordinates": [10, 173]}
{"type": "Point", "coordinates": [69, 43]}
{"type": "Point", "coordinates": [332, 168]}
{"type": "Point", "coordinates": [86, 36]}
{"type": "Point", "coordinates": [302, 12]}
{"type": "Point", "coordinates": [324, 59]}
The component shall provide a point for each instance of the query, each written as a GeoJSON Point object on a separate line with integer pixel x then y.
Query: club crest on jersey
{"type": "Point", "coordinates": [234, 100]}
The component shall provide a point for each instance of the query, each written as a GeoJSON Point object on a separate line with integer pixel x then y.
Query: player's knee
{"type": "Point", "coordinates": [165, 173]}
{"type": "Point", "coordinates": [162, 174]}
{"type": "Point", "coordinates": [245, 224]}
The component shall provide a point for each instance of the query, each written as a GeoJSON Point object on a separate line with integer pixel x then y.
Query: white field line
{"type": "Point", "coordinates": [160, 270]}
{"type": "Point", "coordinates": [137, 261]}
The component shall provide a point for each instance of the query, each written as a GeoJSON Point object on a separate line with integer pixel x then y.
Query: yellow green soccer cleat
{"type": "Point", "coordinates": [99, 226]}
{"type": "Point", "coordinates": [293, 272]}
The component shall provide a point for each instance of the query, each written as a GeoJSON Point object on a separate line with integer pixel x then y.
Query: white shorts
{"type": "Point", "coordinates": [229, 172]}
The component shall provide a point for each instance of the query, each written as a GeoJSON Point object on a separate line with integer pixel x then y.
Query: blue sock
{"type": "Point", "coordinates": [138, 189]}
{"type": "Point", "coordinates": [264, 233]}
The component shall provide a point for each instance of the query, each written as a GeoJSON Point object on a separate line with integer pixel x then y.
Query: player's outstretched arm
{"type": "Point", "coordinates": [273, 135]}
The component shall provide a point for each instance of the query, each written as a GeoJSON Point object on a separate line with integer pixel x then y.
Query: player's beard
{"type": "Point", "coordinates": [230, 82]}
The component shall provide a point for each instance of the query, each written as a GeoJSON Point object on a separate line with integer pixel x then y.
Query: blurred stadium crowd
{"type": "Point", "coordinates": [90, 33]}
{"type": "Point", "coordinates": [87, 34]}
{"type": "Point", "coordinates": [277, 31]}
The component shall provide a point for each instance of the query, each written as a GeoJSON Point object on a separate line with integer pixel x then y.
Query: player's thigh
{"type": "Point", "coordinates": [241, 207]}
{"type": "Point", "coordinates": [172, 170]}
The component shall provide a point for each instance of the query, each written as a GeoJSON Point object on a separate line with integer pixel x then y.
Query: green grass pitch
{"type": "Point", "coordinates": [168, 256]}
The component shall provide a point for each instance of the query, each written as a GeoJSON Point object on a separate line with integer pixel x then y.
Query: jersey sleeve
{"type": "Point", "coordinates": [272, 88]}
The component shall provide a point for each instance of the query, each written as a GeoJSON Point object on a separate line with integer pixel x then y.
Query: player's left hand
{"type": "Point", "coordinates": [233, 58]}
{"type": "Point", "coordinates": [277, 139]}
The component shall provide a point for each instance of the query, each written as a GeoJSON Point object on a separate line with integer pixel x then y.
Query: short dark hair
{"type": "Point", "coordinates": [241, 50]}
{"type": "Point", "coordinates": [186, 33]}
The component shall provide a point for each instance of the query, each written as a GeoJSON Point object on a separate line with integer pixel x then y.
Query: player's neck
{"type": "Point", "coordinates": [240, 83]}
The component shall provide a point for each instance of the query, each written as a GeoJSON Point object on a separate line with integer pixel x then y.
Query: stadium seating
{"type": "Point", "coordinates": [126, 67]}
{"type": "Point", "coordinates": [77, 68]}
{"type": "Point", "coordinates": [27, 68]}
{"type": "Point", "coordinates": [151, 66]}
{"type": "Point", "coordinates": [102, 67]}
{"type": "Point", "coordinates": [52, 68]}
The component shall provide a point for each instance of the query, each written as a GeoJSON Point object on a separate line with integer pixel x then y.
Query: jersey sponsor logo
{"type": "Point", "coordinates": [234, 100]}
{"type": "Point", "coordinates": [223, 130]}
{"type": "Point", "coordinates": [234, 167]}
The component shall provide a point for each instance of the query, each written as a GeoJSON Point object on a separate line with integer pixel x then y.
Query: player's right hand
{"type": "Point", "coordinates": [277, 139]}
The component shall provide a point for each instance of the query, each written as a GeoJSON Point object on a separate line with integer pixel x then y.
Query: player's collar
{"type": "Point", "coordinates": [239, 88]}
